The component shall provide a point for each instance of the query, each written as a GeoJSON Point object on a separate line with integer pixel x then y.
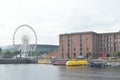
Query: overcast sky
{"type": "Point", "coordinates": [49, 18]}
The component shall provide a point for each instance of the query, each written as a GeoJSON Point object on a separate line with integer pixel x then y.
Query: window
{"type": "Point", "coordinates": [80, 53]}
{"type": "Point", "coordinates": [74, 55]}
{"type": "Point", "coordinates": [80, 35]}
{"type": "Point", "coordinates": [114, 35]}
{"type": "Point", "coordinates": [80, 44]}
{"type": "Point", "coordinates": [101, 49]}
{"type": "Point", "coordinates": [68, 45]}
{"type": "Point", "coordinates": [68, 38]}
{"type": "Point", "coordinates": [62, 55]}
{"type": "Point", "coordinates": [62, 49]}
{"type": "Point", "coordinates": [119, 44]}
{"type": "Point", "coordinates": [114, 48]}
{"type": "Point", "coordinates": [104, 36]}
{"type": "Point", "coordinates": [74, 38]}
{"type": "Point", "coordinates": [109, 49]}
{"type": "Point", "coordinates": [87, 49]}
{"type": "Point", "coordinates": [68, 49]}
{"type": "Point", "coordinates": [80, 39]}
{"type": "Point", "coordinates": [62, 38]}
{"type": "Point", "coordinates": [118, 35]}
{"type": "Point", "coordinates": [87, 39]}
{"type": "Point", "coordinates": [74, 49]}
{"type": "Point", "coordinates": [115, 44]}
{"type": "Point", "coordinates": [68, 55]}
{"type": "Point", "coordinates": [111, 40]}
{"type": "Point", "coordinates": [111, 44]}
{"type": "Point", "coordinates": [118, 40]}
{"type": "Point", "coordinates": [87, 36]}
{"type": "Point", "coordinates": [109, 36]}
{"type": "Point", "coordinates": [118, 49]}
{"type": "Point", "coordinates": [80, 49]}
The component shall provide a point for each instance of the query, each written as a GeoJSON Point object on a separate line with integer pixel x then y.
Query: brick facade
{"type": "Point", "coordinates": [80, 44]}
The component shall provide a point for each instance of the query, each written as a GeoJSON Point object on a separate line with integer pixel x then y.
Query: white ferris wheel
{"type": "Point", "coordinates": [24, 40]}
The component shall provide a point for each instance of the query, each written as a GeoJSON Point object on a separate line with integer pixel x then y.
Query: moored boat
{"type": "Point", "coordinates": [59, 62]}
{"type": "Point", "coordinates": [77, 63]}
{"type": "Point", "coordinates": [98, 64]}
{"type": "Point", "coordinates": [113, 64]}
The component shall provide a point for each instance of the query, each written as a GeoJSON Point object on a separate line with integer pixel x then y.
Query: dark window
{"type": "Point", "coordinates": [80, 36]}
{"type": "Point", "coordinates": [114, 48]}
{"type": "Point", "coordinates": [80, 44]}
{"type": "Point", "coordinates": [80, 39]}
{"type": "Point", "coordinates": [101, 49]}
{"type": "Point", "coordinates": [68, 38]}
{"type": "Point", "coordinates": [114, 35]}
{"type": "Point", "coordinates": [104, 49]}
{"type": "Point", "coordinates": [74, 55]}
{"type": "Point", "coordinates": [80, 53]}
{"type": "Point", "coordinates": [68, 49]}
{"type": "Point", "coordinates": [68, 45]}
{"type": "Point", "coordinates": [80, 49]}
{"type": "Point", "coordinates": [74, 49]}
{"type": "Point", "coordinates": [87, 49]}
{"type": "Point", "coordinates": [68, 55]}
{"type": "Point", "coordinates": [62, 55]}
{"type": "Point", "coordinates": [62, 49]}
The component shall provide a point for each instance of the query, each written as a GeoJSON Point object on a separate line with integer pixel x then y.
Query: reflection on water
{"type": "Point", "coordinates": [51, 72]}
{"type": "Point", "coordinates": [88, 73]}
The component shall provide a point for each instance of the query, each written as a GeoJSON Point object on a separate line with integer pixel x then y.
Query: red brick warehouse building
{"type": "Point", "coordinates": [73, 45]}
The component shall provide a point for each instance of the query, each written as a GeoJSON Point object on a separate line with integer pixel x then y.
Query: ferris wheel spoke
{"type": "Point", "coordinates": [25, 38]}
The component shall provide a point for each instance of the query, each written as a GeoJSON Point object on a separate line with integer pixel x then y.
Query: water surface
{"type": "Point", "coordinates": [51, 72]}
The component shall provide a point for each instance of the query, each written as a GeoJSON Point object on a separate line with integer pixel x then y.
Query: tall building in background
{"type": "Point", "coordinates": [81, 44]}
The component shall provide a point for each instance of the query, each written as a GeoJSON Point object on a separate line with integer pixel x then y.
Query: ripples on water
{"type": "Point", "coordinates": [51, 72]}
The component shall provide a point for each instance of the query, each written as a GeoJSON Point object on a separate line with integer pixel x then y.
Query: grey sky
{"type": "Point", "coordinates": [49, 18]}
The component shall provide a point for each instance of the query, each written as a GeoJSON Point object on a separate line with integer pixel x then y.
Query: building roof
{"type": "Point", "coordinates": [87, 32]}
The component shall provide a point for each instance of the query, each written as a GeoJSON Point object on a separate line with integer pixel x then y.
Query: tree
{"type": "Point", "coordinates": [33, 54]}
{"type": "Point", "coordinates": [90, 55]}
{"type": "Point", "coordinates": [16, 52]}
{"type": "Point", "coordinates": [113, 54]}
{"type": "Point", "coordinates": [7, 54]}
{"type": "Point", "coordinates": [118, 54]}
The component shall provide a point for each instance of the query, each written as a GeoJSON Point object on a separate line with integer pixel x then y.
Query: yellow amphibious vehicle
{"type": "Point", "coordinates": [77, 63]}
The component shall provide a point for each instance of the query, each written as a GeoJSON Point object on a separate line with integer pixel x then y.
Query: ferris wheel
{"type": "Point", "coordinates": [25, 40]}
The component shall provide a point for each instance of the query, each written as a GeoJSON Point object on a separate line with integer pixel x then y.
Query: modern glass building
{"type": "Point", "coordinates": [46, 49]}
{"type": "Point", "coordinates": [40, 49]}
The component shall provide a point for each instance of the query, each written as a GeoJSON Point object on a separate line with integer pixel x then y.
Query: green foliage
{"type": "Point", "coordinates": [16, 52]}
{"type": "Point", "coordinates": [118, 54]}
{"type": "Point", "coordinates": [32, 54]}
{"type": "Point", "coordinates": [115, 54]}
{"type": "Point", "coordinates": [90, 55]}
{"type": "Point", "coordinates": [9, 54]}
